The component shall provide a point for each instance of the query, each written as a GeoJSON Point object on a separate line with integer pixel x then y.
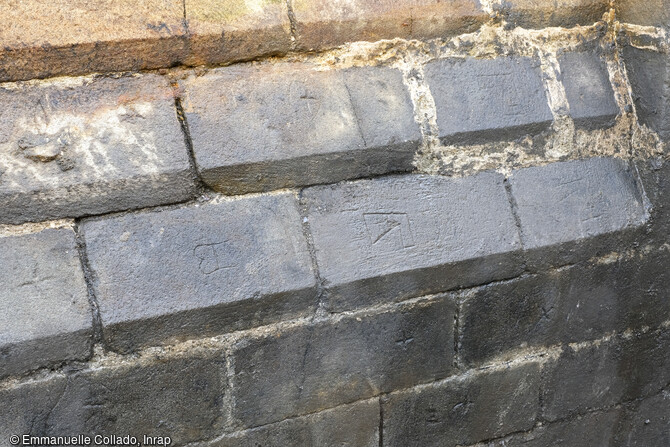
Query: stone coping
{"type": "Point", "coordinates": [62, 37]}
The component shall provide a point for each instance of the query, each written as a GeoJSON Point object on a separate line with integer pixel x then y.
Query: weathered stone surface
{"type": "Point", "coordinates": [576, 200]}
{"type": "Point", "coordinates": [178, 397]}
{"type": "Point", "coordinates": [66, 37]}
{"type": "Point", "coordinates": [574, 304]}
{"type": "Point", "coordinates": [588, 89]}
{"type": "Point", "coordinates": [385, 239]}
{"type": "Point", "coordinates": [89, 146]}
{"type": "Point", "coordinates": [354, 425]}
{"type": "Point", "coordinates": [231, 30]}
{"type": "Point", "coordinates": [484, 99]}
{"type": "Point", "coordinates": [466, 410]}
{"type": "Point", "coordinates": [651, 12]}
{"type": "Point", "coordinates": [604, 374]}
{"type": "Point", "coordinates": [322, 24]}
{"type": "Point", "coordinates": [646, 423]}
{"type": "Point", "coordinates": [198, 270]}
{"type": "Point", "coordinates": [309, 368]}
{"type": "Point", "coordinates": [26, 408]}
{"type": "Point", "coordinates": [544, 13]}
{"type": "Point", "coordinates": [45, 316]}
{"type": "Point", "coordinates": [649, 76]}
{"type": "Point", "coordinates": [258, 128]}
{"type": "Point", "coordinates": [591, 430]}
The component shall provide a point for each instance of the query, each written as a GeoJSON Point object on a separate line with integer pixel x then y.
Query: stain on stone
{"type": "Point", "coordinates": [47, 148]}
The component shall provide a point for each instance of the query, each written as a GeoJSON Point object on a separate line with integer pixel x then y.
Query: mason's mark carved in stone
{"type": "Point", "coordinates": [385, 227]}
{"type": "Point", "coordinates": [213, 257]}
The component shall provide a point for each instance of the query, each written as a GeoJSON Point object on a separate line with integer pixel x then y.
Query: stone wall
{"type": "Point", "coordinates": [411, 223]}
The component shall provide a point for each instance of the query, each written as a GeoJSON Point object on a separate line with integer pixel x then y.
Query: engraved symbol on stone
{"type": "Point", "coordinates": [389, 229]}
{"type": "Point", "coordinates": [213, 257]}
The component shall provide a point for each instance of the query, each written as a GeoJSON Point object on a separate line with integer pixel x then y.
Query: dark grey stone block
{"type": "Point", "coordinates": [309, 368]}
{"type": "Point", "coordinates": [199, 270]}
{"type": "Point", "coordinates": [178, 397]}
{"type": "Point", "coordinates": [45, 317]}
{"type": "Point", "coordinates": [27, 408]}
{"type": "Point", "coordinates": [76, 150]}
{"type": "Point", "coordinates": [355, 425]}
{"type": "Point", "coordinates": [649, 76]}
{"type": "Point", "coordinates": [488, 99]}
{"type": "Point", "coordinates": [464, 410]}
{"type": "Point", "coordinates": [650, 12]}
{"type": "Point", "coordinates": [601, 375]}
{"type": "Point", "coordinates": [646, 423]}
{"type": "Point", "coordinates": [259, 128]}
{"type": "Point", "coordinates": [574, 304]}
{"type": "Point", "coordinates": [392, 238]}
{"type": "Point", "coordinates": [588, 89]}
{"type": "Point", "coordinates": [573, 201]}
{"type": "Point", "coordinates": [541, 14]}
{"type": "Point", "coordinates": [591, 430]}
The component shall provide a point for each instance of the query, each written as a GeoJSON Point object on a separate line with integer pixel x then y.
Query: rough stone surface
{"type": "Point", "coordinates": [322, 24]}
{"type": "Point", "coordinates": [391, 238]}
{"type": "Point", "coordinates": [591, 430]}
{"type": "Point", "coordinates": [488, 99]}
{"type": "Point", "coordinates": [463, 411]}
{"type": "Point", "coordinates": [26, 408]}
{"type": "Point", "coordinates": [45, 316]}
{"type": "Point", "coordinates": [578, 303]}
{"type": "Point", "coordinates": [588, 89]}
{"type": "Point", "coordinates": [543, 13]}
{"type": "Point", "coordinates": [199, 270]}
{"type": "Point", "coordinates": [354, 425]}
{"type": "Point", "coordinates": [574, 200]}
{"type": "Point", "coordinates": [649, 75]}
{"type": "Point", "coordinates": [650, 12]}
{"type": "Point", "coordinates": [646, 423]}
{"type": "Point", "coordinates": [302, 370]}
{"type": "Point", "coordinates": [66, 37]}
{"type": "Point", "coordinates": [604, 374]}
{"type": "Point", "coordinates": [89, 146]}
{"type": "Point", "coordinates": [258, 128]}
{"type": "Point", "coordinates": [180, 398]}
{"type": "Point", "coordinates": [223, 31]}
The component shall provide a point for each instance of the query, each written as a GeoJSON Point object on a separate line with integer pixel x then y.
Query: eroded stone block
{"type": "Point", "coordinates": [309, 368]}
{"type": "Point", "coordinates": [462, 411]}
{"type": "Point", "coordinates": [258, 128]}
{"type": "Point", "coordinates": [488, 99]}
{"type": "Point", "coordinates": [72, 148]}
{"type": "Point", "coordinates": [588, 89]}
{"type": "Point", "coordinates": [349, 425]}
{"type": "Point", "coordinates": [199, 270]}
{"type": "Point", "coordinates": [322, 24]}
{"type": "Point", "coordinates": [230, 30]}
{"type": "Point", "coordinates": [66, 37]}
{"type": "Point", "coordinates": [391, 238]}
{"type": "Point", "coordinates": [45, 317]}
{"type": "Point", "coordinates": [578, 199]}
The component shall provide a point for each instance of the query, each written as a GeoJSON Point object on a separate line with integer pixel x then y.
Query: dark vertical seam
{"type": "Point", "coordinates": [89, 276]}
{"type": "Point", "coordinates": [193, 167]}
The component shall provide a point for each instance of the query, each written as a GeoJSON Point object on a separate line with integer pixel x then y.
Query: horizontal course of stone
{"type": "Point", "coordinates": [67, 37]}
{"type": "Point", "coordinates": [321, 384]}
{"type": "Point", "coordinates": [166, 275]}
{"type": "Point", "coordinates": [90, 146]}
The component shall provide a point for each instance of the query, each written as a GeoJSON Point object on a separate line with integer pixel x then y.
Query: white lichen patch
{"type": "Point", "coordinates": [55, 148]}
